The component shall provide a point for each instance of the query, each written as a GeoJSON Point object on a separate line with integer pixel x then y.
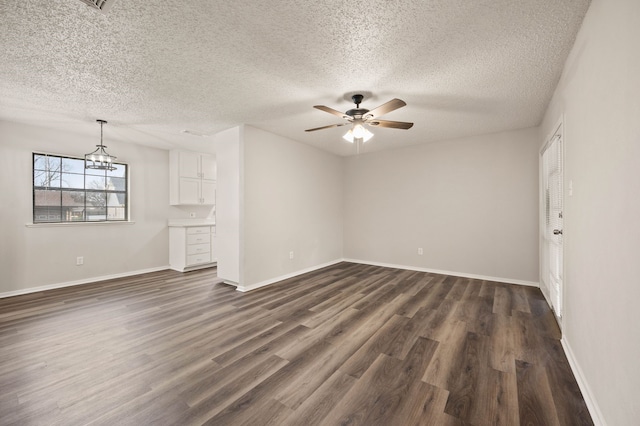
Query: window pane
{"type": "Point", "coordinates": [38, 161]}
{"type": "Point", "coordinates": [71, 180]}
{"type": "Point", "coordinates": [73, 198]}
{"type": "Point", "coordinates": [46, 214]}
{"type": "Point", "coordinates": [96, 213]}
{"type": "Point", "coordinates": [117, 184]}
{"type": "Point", "coordinates": [95, 172]}
{"type": "Point", "coordinates": [73, 214]}
{"type": "Point", "coordinates": [95, 182]}
{"type": "Point", "coordinates": [96, 198]}
{"type": "Point", "coordinates": [120, 198]}
{"type": "Point", "coordinates": [120, 171]}
{"type": "Point", "coordinates": [72, 206]}
{"type": "Point", "coordinates": [46, 206]}
{"type": "Point", "coordinates": [116, 213]}
{"type": "Point", "coordinates": [44, 179]}
{"type": "Point", "coordinates": [72, 165]}
{"type": "Point", "coordinates": [46, 162]}
{"type": "Point", "coordinates": [47, 197]}
{"type": "Point", "coordinates": [115, 199]}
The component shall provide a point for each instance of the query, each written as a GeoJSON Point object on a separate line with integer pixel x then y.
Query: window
{"type": "Point", "coordinates": [64, 191]}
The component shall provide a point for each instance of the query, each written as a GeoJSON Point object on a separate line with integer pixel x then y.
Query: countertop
{"type": "Point", "coordinates": [185, 223]}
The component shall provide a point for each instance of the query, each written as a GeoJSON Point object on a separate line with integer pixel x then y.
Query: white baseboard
{"type": "Point", "coordinates": [386, 265]}
{"type": "Point", "coordinates": [80, 282]}
{"type": "Point", "coordinates": [243, 288]}
{"type": "Point", "coordinates": [594, 410]}
{"type": "Point", "coordinates": [455, 274]}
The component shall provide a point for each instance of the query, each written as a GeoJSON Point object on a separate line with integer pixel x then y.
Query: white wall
{"type": "Point", "coordinates": [32, 257]}
{"type": "Point", "coordinates": [599, 95]}
{"type": "Point", "coordinates": [229, 200]}
{"type": "Point", "coordinates": [292, 202]}
{"type": "Point", "coordinates": [470, 203]}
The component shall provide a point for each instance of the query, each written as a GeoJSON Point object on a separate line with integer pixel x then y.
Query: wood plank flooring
{"type": "Point", "coordinates": [346, 345]}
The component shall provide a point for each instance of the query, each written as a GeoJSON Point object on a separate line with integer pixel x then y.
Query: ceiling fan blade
{"type": "Point", "coordinates": [391, 124]}
{"type": "Point", "coordinates": [383, 109]}
{"type": "Point", "coordinates": [326, 127]}
{"type": "Point", "coordinates": [331, 111]}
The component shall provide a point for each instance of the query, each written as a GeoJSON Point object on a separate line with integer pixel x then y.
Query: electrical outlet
{"type": "Point", "coordinates": [192, 215]}
{"type": "Point", "coordinates": [79, 260]}
{"type": "Point", "coordinates": [290, 255]}
{"type": "Point", "coordinates": [420, 251]}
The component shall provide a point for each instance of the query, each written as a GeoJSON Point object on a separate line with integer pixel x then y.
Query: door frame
{"type": "Point", "coordinates": [557, 129]}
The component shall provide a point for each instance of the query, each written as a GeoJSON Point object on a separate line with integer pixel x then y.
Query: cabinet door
{"type": "Point", "coordinates": [189, 191]}
{"type": "Point", "coordinates": [189, 164]}
{"type": "Point", "coordinates": [208, 192]}
{"type": "Point", "coordinates": [208, 166]}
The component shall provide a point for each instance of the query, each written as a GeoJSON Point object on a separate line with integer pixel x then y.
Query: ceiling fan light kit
{"type": "Point", "coordinates": [358, 117]}
{"type": "Point", "coordinates": [357, 134]}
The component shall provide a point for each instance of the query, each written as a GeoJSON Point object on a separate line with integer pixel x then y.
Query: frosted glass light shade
{"type": "Point", "coordinates": [357, 132]}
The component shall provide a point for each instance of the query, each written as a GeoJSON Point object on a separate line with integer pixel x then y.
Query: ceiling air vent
{"type": "Point", "coordinates": [102, 5]}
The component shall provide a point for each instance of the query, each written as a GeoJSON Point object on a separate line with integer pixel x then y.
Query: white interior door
{"type": "Point", "coordinates": [552, 229]}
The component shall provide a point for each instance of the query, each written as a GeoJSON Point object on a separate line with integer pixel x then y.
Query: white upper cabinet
{"type": "Point", "coordinates": [193, 178]}
{"type": "Point", "coordinates": [208, 167]}
{"type": "Point", "coordinates": [188, 164]}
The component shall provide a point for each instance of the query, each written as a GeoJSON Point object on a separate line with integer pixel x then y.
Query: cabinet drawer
{"type": "Point", "coordinates": [199, 238]}
{"type": "Point", "coordinates": [198, 249]}
{"type": "Point", "coordinates": [196, 259]}
{"type": "Point", "coordinates": [198, 230]}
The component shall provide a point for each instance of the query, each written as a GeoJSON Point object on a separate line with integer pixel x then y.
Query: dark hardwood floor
{"type": "Point", "coordinates": [348, 344]}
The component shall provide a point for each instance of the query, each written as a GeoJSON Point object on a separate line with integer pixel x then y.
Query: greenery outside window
{"type": "Point", "coordinates": [64, 191]}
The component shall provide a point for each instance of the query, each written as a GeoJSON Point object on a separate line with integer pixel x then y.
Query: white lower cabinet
{"type": "Point", "coordinates": [191, 247]}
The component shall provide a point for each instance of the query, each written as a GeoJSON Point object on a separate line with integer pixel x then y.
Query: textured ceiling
{"type": "Point", "coordinates": [153, 69]}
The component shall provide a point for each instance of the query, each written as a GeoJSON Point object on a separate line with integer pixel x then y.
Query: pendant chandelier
{"type": "Point", "coordinates": [99, 159]}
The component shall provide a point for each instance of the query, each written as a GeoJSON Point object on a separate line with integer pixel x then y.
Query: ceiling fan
{"type": "Point", "coordinates": [358, 117]}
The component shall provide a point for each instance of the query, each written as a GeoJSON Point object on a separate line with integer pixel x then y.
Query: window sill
{"type": "Point", "coordinates": [64, 224]}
